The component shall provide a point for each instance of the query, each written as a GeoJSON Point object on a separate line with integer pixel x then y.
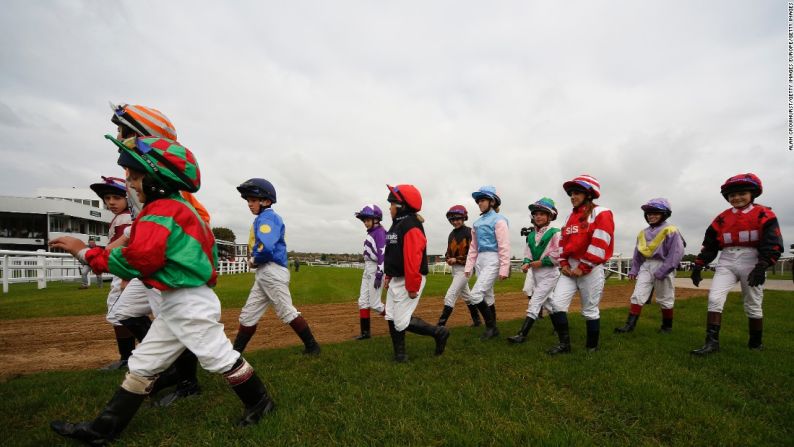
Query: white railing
{"type": "Point", "coordinates": [618, 265]}
{"type": "Point", "coordinates": [232, 267]}
{"type": "Point", "coordinates": [37, 266]}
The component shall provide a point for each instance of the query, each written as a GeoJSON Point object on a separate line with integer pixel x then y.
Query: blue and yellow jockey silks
{"type": "Point", "coordinates": [266, 240]}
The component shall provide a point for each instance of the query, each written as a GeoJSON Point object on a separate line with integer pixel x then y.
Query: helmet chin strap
{"type": "Point", "coordinates": [263, 206]}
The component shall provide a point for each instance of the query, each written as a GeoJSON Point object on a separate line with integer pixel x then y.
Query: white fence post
{"type": "Point", "coordinates": [41, 272]}
{"type": "Point", "coordinates": [6, 272]}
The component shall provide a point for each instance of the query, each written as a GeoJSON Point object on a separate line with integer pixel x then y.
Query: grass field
{"type": "Point", "coordinates": [707, 274]}
{"type": "Point", "coordinates": [311, 285]}
{"type": "Point", "coordinates": [641, 389]}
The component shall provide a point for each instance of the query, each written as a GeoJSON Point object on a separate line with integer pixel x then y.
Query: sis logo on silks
{"type": "Point", "coordinates": [264, 228]}
{"type": "Point", "coordinates": [572, 229]}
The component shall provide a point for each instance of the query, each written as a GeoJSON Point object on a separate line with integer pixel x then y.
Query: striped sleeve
{"type": "Point", "coordinates": [601, 241]}
{"type": "Point", "coordinates": [370, 248]}
{"type": "Point", "coordinates": [380, 246]}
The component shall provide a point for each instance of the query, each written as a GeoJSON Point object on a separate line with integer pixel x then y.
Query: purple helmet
{"type": "Point", "coordinates": [370, 211]}
{"type": "Point", "coordinates": [658, 205]}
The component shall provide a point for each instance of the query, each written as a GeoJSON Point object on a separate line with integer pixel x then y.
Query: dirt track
{"type": "Point", "coordinates": [73, 343]}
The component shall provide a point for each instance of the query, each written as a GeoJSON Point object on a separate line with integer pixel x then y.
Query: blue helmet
{"type": "Point", "coordinates": [487, 192]}
{"type": "Point", "coordinates": [546, 205]}
{"type": "Point", "coordinates": [370, 211]}
{"type": "Point", "coordinates": [258, 188]}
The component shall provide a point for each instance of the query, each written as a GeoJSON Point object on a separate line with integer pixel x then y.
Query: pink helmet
{"type": "Point", "coordinates": [742, 182]}
{"type": "Point", "coordinates": [584, 182]}
{"type": "Point", "coordinates": [458, 211]}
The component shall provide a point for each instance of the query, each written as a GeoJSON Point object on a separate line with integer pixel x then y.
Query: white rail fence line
{"type": "Point", "coordinates": [41, 267]}
{"type": "Point", "coordinates": [38, 266]}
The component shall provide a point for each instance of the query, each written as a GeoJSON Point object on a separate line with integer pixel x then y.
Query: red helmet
{"type": "Point", "coordinates": [406, 195]}
{"type": "Point", "coordinates": [458, 211]}
{"type": "Point", "coordinates": [584, 182]}
{"type": "Point", "coordinates": [742, 182]}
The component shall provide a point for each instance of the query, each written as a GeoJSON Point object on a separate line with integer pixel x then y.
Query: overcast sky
{"type": "Point", "coordinates": [332, 100]}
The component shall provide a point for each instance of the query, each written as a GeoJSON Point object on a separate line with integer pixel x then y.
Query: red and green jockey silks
{"type": "Point", "coordinates": [170, 247]}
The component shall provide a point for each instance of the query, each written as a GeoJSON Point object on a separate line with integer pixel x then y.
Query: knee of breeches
{"type": "Point", "coordinates": [136, 384]}
{"type": "Point", "coordinates": [753, 311]}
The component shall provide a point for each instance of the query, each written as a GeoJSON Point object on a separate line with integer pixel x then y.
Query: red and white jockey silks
{"type": "Point", "coordinates": [588, 237]}
{"type": "Point", "coordinates": [753, 226]}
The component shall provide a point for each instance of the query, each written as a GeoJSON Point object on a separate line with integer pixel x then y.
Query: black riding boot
{"type": "Point", "coordinates": [712, 344]}
{"type": "Point", "coordinates": [185, 377]}
{"type": "Point", "coordinates": [310, 345]}
{"type": "Point", "coordinates": [491, 331]}
{"type": "Point", "coordinates": [522, 333]}
{"type": "Point", "coordinates": [593, 333]}
{"type": "Point", "coordinates": [442, 320]}
{"type": "Point", "coordinates": [251, 391]}
{"type": "Point", "coordinates": [139, 326]}
{"type": "Point", "coordinates": [631, 323]}
{"type": "Point", "coordinates": [125, 340]}
{"type": "Point", "coordinates": [560, 322]}
{"type": "Point", "coordinates": [398, 342]}
{"type": "Point", "coordinates": [108, 425]}
{"type": "Point", "coordinates": [475, 315]}
{"type": "Point", "coordinates": [439, 333]}
{"type": "Point", "coordinates": [301, 327]}
{"type": "Point", "coordinates": [492, 308]}
{"type": "Point", "coordinates": [365, 329]}
{"type": "Point", "coordinates": [244, 335]}
{"type": "Point", "coordinates": [667, 321]}
{"type": "Point", "coordinates": [756, 326]}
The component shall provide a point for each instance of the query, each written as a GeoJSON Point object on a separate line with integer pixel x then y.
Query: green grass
{"type": "Point", "coordinates": [710, 274]}
{"type": "Point", "coordinates": [311, 285]}
{"type": "Point", "coordinates": [642, 388]}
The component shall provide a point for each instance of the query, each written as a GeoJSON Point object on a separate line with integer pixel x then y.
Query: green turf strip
{"type": "Point", "coordinates": [642, 388]}
{"type": "Point", "coordinates": [311, 285]}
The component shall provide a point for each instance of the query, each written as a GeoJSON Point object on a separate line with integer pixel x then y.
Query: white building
{"type": "Point", "coordinates": [28, 223]}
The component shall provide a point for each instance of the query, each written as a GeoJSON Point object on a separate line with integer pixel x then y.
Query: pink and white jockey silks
{"type": "Point", "coordinates": [545, 243]}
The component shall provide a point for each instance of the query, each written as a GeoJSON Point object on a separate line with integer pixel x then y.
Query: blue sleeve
{"type": "Point", "coordinates": [268, 229]}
